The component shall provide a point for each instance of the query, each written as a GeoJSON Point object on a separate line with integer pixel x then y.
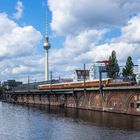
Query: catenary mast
{"type": "Point", "coordinates": [46, 46]}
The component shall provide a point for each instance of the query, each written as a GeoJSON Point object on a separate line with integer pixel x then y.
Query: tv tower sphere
{"type": "Point", "coordinates": [47, 44]}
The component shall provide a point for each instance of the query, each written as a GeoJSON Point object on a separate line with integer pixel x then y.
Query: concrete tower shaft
{"type": "Point", "coordinates": [46, 46]}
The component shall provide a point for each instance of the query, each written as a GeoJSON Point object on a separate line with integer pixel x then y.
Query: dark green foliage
{"type": "Point", "coordinates": [113, 63]}
{"type": "Point", "coordinates": [128, 69]}
{"type": "Point", "coordinates": [1, 89]}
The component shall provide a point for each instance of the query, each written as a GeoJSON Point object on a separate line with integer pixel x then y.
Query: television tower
{"type": "Point", "coordinates": [46, 46]}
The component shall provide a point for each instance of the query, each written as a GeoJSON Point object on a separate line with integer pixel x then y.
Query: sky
{"type": "Point", "coordinates": [80, 32]}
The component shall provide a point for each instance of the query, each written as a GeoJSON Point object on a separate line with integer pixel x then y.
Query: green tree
{"type": "Point", "coordinates": [113, 63]}
{"type": "Point", "coordinates": [129, 67]}
{"type": "Point", "coordinates": [1, 89]}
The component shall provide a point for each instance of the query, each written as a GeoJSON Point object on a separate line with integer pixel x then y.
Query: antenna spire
{"type": "Point", "coordinates": [46, 44]}
{"type": "Point", "coordinates": [47, 36]}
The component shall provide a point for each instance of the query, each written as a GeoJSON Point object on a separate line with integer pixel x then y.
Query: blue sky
{"type": "Point", "coordinates": [80, 32]}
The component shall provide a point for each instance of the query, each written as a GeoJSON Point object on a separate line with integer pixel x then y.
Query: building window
{"type": "Point", "coordinates": [79, 72]}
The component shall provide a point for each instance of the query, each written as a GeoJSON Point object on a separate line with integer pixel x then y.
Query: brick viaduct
{"type": "Point", "coordinates": [116, 99]}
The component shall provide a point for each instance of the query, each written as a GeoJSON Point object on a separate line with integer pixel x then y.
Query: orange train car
{"type": "Point", "coordinates": [73, 85]}
{"type": "Point", "coordinates": [122, 83]}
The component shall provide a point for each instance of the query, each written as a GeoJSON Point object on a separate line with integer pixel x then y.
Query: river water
{"type": "Point", "coordinates": [38, 123]}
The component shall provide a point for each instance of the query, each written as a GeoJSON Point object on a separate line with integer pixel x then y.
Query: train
{"type": "Point", "coordinates": [81, 84]}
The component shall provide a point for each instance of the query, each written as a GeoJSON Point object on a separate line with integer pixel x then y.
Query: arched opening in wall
{"type": "Point", "coordinates": [19, 99]}
{"type": "Point", "coordinates": [30, 99]}
{"type": "Point", "coordinates": [115, 103]}
{"type": "Point", "coordinates": [71, 101]}
{"type": "Point", "coordinates": [61, 100]}
{"type": "Point", "coordinates": [53, 99]}
{"type": "Point", "coordinates": [83, 103]}
{"type": "Point", "coordinates": [96, 102]}
{"type": "Point", "coordinates": [44, 99]}
{"type": "Point", "coordinates": [134, 103]}
{"type": "Point", "coordinates": [25, 99]}
{"type": "Point", "coordinates": [37, 99]}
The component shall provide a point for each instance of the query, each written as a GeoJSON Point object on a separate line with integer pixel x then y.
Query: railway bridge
{"type": "Point", "coordinates": [125, 99]}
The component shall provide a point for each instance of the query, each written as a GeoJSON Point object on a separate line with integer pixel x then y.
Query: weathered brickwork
{"type": "Point", "coordinates": [119, 101]}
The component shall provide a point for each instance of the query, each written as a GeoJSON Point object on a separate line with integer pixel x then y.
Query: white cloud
{"type": "Point", "coordinates": [84, 47]}
{"type": "Point", "coordinates": [19, 10]}
{"type": "Point", "coordinates": [76, 45]}
{"type": "Point", "coordinates": [85, 25]}
{"type": "Point", "coordinates": [16, 40]}
{"type": "Point", "coordinates": [71, 16]}
{"type": "Point", "coordinates": [18, 49]}
{"type": "Point", "coordinates": [22, 67]}
{"type": "Point", "coordinates": [131, 32]}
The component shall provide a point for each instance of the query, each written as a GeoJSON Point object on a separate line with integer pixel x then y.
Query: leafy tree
{"type": "Point", "coordinates": [1, 89]}
{"type": "Point", "coordinates": [129, 67]}
{"type": "Point", "coordinates": [113, 63]}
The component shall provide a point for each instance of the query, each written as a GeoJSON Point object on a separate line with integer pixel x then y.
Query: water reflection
{"type": "Point", "coordinates": [104, 119]}
{"type": "Point", "coordinates": [51, 123]}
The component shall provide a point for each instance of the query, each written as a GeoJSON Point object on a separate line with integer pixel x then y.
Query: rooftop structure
{"type": "Point", "coordinates": [79, 75]}
{"type": "Point", "coordinates": [11, 84]}
{"type": "Point", "coordinates": [94, 70]}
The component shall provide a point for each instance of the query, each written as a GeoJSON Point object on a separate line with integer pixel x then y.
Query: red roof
{"type": "Point", "coordinates": [104, 61]}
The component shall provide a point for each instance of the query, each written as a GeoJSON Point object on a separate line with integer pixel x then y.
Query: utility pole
{"type": "Point", "coordinates": [100, 80]}
{"type": "Point", "coordinates": [51, 80]}
{"type": "Point", "coordinates": [103, 69]}
{"type": "Point", "coordinates": [85, 80]}
{"type": "Point", "coordinates": [28, 84]}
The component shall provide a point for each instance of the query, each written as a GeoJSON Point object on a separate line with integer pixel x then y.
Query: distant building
{"type": "Point", "coordinates": [79, 75]}
{"type": "Point", "coordinates": [65, 80]}
{"type": "Point", "coordinates": [135, 69]}
{"type": "Point", "coordinates": [138, 65]}
{"type": "Point", "coordinates": [94, 71]}
{"type": "Point", "coordinates": [138, 73]}
{"type": "Point", "coordinates": [11, 84]}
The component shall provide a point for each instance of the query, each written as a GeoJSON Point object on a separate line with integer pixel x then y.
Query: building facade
{"type": "Point", "coordinates": [11, 84]}
{"type": "Point", "coordinates": [94, 71]}
{"type": "Point", "coordinates": [80, 75]}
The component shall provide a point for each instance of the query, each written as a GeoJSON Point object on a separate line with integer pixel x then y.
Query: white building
{"type": "Point", "coordinates": [138, 73]}
{"type": "Point", "coordinates": [79, 75]}
{"type": "Point", "coordinates": [136, 69]}
{"type": "Point", "coordinates": [94, 71]}
{"type": "Point", "coordinates": [139, 66]}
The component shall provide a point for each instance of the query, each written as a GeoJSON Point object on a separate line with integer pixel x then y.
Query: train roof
{"type": "Point", "coordinates": [76, 82]}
